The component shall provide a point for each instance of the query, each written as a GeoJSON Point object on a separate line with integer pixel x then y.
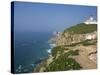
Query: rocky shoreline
{"type": "Point", "coordinates": [42, 66]}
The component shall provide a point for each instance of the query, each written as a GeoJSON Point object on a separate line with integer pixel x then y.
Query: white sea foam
{"type": "Point", "coordinates": [49, 50]}
{"type": "Point", "coordinates": [19, 68]}
{"type": "Point", "coordinates": [52, 45]}
{"type": "Point", "coordinates": [32, 65]}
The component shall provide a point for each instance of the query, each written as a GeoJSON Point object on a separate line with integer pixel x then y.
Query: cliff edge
{"type": "Point", "coordinates": [76, 48]}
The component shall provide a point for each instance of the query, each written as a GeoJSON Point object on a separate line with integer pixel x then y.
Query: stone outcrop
{"type": "Point", "coordinates": [68, 38]}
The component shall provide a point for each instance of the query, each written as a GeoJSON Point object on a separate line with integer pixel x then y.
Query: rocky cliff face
{"type": "Point", "coordinates": [70, 38]}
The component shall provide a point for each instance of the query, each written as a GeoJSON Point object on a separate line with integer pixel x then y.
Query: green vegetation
{"type": "Point", "coordinates": [88, 42]}
{"type": "Point", "coordinates": [72, 53]}
{"type": "Point", "coordinates": [60, 49]}
{"type": "Point", "coordinates": [62, 56]}
{"type": "Point", "coordinates": [63, 63]}
{"type": "Point", "coordinates": [85, 43]}
{"type": "Point", "coordinates": [57, 49]}
{"type": "Point", "coordinates": [81, 28]}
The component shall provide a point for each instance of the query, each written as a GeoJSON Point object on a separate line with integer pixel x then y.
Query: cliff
{"type": "Point", "coordinates": [76, 48]}
{"type": "Point", "coordinates": [77, 33]}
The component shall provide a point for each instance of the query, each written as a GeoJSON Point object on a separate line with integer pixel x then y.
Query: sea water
{"type": "Point", "coordinates": [31, 48]}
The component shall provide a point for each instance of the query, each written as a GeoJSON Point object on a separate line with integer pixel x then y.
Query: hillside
{"type": "Point", "coordinates": [76, 48]}
{"type": "Point", "coordinates": [81, 28]}
{"type": "Point", "coordinates": [76, 33]}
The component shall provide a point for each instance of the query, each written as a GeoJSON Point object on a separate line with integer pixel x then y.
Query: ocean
{"type": "Point", "coordinates": [30, 49]}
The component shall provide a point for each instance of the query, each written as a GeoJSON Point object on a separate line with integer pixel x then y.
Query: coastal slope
{"type": "Point", "coordinates": [76, 48]}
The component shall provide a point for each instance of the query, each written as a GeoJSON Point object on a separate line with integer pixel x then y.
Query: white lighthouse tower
{"type": "Point", "coordinates": [90, 20]}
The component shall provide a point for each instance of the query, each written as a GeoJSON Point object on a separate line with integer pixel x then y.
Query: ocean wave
{"type": "Point", "coordinates": [19, 68]}
{"type": "Point", "coordinates": [52, 45]}
{"type": "Point", "coordinates": [49, 51]}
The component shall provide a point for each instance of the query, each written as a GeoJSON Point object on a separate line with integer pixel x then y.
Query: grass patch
{"type": "Point", "coordinates": [57, 49]}
{"type": "Point", "coordinates": [81, 28]}
{"type": "Point", "coordinates": [85, 43]}
{"type": "Point", "coordinates": [88, 42]}
{"type": "Point", "coordinates": [63, 64]}
{"type": "Point", "coordinates": [72, 53]}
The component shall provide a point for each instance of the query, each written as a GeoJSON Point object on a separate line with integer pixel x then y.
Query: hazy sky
{"type": "Point", "coordinates": [49, 17]}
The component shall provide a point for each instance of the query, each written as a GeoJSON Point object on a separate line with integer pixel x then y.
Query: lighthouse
{"type": "Point", "coordinates": [90, 20]}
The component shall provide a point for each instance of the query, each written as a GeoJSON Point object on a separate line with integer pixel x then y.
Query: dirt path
{"type": "Point", "coordinates": [83, 59]}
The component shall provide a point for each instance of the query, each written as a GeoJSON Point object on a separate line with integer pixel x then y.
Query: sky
{"type": "Point", "coordinates": [49, 17]}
